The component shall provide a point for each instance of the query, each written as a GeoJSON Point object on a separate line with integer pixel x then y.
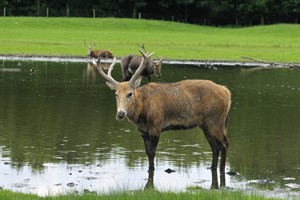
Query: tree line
{"type": "Point", "coordinates": [207, 12]}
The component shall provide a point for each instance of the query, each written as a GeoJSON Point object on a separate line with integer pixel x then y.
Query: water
{"type": "Point", "coordinates": [58, 132]}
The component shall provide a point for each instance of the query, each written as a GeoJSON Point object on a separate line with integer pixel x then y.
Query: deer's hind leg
{"type": "Point", "coordinates": [223, 146]}
{"type": "Point", "coordinates": [214, 148]}
{"type": "Point", "coordinates": [218, 143]}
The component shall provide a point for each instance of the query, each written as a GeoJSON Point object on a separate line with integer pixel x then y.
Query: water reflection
{"type": "Point", "coordinates": [150, 184]}
{"type": "Point", "coordinates": [92, 72]}
{"type": "Point", "coordinates": [57, 127]}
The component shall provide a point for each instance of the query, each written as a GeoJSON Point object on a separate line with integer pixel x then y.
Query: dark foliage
{"type": "Point", "coordinates": [209, 12]}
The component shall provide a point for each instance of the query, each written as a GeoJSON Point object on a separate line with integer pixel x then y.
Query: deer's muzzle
{"type": "Point", "coordinates": [120, 115]}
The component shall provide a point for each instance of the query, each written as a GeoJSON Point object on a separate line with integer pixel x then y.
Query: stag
{"type": "Point", "coordinates": [158, 107]}
{"type": "Point", "coordinates": [104, 54]}
{"type": "Point", "coordinates": [131, 62]}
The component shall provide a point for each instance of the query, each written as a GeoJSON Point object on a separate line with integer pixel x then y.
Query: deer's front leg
{"type": "Point", "coordinates": [150, 143]}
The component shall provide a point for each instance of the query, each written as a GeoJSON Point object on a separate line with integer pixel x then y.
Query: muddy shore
{"type": "Point", "coordinates": [167, 61]}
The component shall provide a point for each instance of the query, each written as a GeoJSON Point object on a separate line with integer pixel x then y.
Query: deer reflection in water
{"type": "Point", "coordinates": [91, 71]}
{"type": "Point", "coordinates": [90, 74]}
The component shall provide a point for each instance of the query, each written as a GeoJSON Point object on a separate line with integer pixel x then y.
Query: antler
{"type": "Point", "coordinates": [89, 45]}
{"type": "Point", "coordinates": [142, 46]}
{"type": "Point", "coordinates": [108, 77]}
{"type": "Point", "coordinates": [85, 44]}
{"type": "Point", "coordinates": [161, 59]}
{"type": "Point", "coordinates": [94, 44]}
{"type": "Point", "coordinates": [140, 68]}
{"type": "Point", "coordinates": [146, 54]}
{"type": "Point", "coordinates": [111, 67]}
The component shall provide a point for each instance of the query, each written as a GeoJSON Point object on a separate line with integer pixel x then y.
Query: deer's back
{"type": "Point", "coordinates": [131, 62]}
{"type": "Point", "coordinates": [184, 104]}
{"type": "Point", "coordinates": [125, 60]}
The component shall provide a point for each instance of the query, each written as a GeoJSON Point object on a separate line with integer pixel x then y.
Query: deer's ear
{"type": "Point", "coordinates": [138, 81]}
{"type": "Point", "coordinates": [110, 85]}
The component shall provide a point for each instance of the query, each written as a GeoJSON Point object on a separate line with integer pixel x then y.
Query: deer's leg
{"type": "Point", "coordinates": [214, 147]}
{"type": "Point", "coordinates": [223, 147]}
{"type": "Point", "coordinates": [124, 74]}
{"type": "Point", "coordinates": [150, 182]}
{"type": "Point", "coordinates": [128, 76]}
{"type": "Point", "coordinates": [214, 179]}
{"type": "Point", "coordinates": [223, 180]}
{"type": "Point", "coordinates": [215, 152]}
{"type": "Point", "coordinates": [150, 143]}
{"type": "Point", "coordinates": [215, 135]}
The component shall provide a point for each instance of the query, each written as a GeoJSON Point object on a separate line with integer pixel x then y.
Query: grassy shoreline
{"type": "Point", "coordinates": [141, 195]}
{"type": "Point", "coordinates": [64, 37]}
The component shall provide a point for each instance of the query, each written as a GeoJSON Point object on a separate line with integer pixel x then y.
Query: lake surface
{"type": "Point", "coordinates": [58, 132]}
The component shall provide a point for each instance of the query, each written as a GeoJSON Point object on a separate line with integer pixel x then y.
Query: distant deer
{"type": "Point", "coordinates": [158, 107]}
{"type": "Point", "coordinates": [103, 54]}
{"type": "Point", "coordinates": [131, 62]}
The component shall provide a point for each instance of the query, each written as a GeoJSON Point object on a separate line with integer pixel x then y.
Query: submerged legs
{"type": "Point", "coordinates": [217, 146]}
{"type": "Point", "coordinates": [214, 179]}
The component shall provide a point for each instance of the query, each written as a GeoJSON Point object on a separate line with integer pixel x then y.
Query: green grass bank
{"type": "Point", "coordinates": [172, 40]}
{"type": "Point", "coordinates": [141, 195]}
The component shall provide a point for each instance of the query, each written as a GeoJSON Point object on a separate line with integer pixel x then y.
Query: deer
{"type": "Point", "coordinates": [131, 62]}
{"type": "Point", "coordinates": [158, 107]}
{"type": "Point", "coordinates": [104, 54]}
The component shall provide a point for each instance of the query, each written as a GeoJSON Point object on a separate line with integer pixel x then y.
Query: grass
{"type": "Point", "coordinates": [65, 36]}
{"type": "Point", "coordinates": [140, 195]}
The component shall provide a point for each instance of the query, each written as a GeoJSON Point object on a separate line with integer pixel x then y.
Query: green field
{"type": "Point", "coordinates": [179, 41]}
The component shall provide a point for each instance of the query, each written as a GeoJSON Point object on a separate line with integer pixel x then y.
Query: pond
{"type": "Point", "coordinates": [58, 132]}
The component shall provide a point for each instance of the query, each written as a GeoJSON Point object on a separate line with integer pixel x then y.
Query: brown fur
{"type": "Point", "coordinates": [103, 54]}
{"type": "Point", "coordinates": [130, 63]}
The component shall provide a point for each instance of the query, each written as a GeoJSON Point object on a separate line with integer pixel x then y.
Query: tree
{"type": "Point", "coordinates": [261, 8]}
{"type": "Point", "coordinates": [292, 8]}
{"type": "Point", "coordinates": [136, 4]}
{"type": "Point", "coordinates": [185, 4]}
{"type": "Point", "coordinates": [215, 12]}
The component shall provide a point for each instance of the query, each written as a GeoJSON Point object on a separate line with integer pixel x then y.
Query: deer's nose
{"type": "Point", "coordinates": [120, 114]}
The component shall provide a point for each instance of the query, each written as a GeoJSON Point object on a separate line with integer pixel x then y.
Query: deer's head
{"type": "Point", "coordinates": [124, 91]}
{"type": "Point", "coordinates": [157, 67]}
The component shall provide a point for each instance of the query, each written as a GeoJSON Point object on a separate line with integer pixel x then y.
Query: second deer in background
{"type": "Point", "coordinates": [103, 54]}
{"type": "Point", "coordinates": [131, 62]}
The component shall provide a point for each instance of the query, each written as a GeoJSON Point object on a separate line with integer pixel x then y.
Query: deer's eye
{"type": "Point", "coordinates": [129, 95]}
